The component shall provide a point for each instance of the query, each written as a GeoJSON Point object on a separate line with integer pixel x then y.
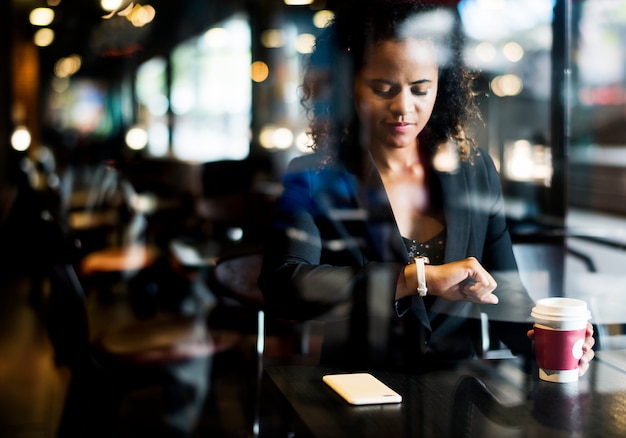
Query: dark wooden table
{"type": "Point", "coordinates": [478, 398]}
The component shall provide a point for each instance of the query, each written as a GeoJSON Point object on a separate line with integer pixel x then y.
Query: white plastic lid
{"type": "Point", "coordinates": [561, 308]}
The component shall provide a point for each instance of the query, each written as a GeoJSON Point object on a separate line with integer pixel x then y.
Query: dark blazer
{"type": "Point", "coordinates": [335, 253]}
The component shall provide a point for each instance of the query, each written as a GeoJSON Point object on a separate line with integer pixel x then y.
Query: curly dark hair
{"type": "Point", "coordinates": [340, 51]}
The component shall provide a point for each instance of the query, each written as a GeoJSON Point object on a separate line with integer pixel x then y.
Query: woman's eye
{"type": "Point", "coordinates": [390, 91]}
{"type": "Point", "coordinates": [382, 90]}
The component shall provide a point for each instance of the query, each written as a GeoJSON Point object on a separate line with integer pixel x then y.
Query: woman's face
{"type": "Point", "coordinates": [395, 92]}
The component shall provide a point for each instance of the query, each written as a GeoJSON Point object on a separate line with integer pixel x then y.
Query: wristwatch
{"type": "Point", "coordinates": [422, 290]}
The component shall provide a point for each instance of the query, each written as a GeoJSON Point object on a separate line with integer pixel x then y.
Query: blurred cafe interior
{"type": "Point", "coordinates": [143, 143]}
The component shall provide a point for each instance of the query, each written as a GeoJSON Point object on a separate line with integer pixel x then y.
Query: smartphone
{"type": "Point", "coordinates": [361, 389]}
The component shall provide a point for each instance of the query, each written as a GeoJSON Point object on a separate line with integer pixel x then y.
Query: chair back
{"type": "Point", "coordinates": [236, 277]}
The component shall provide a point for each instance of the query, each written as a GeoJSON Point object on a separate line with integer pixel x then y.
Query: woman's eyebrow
{"type": "Point", "coordinates": [421, 81]}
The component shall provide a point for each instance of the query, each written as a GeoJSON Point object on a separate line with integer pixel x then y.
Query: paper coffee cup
{"type": "Point", "coordinates": [560, 329]}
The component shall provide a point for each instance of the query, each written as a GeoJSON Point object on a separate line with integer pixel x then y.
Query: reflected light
{"type": "Point", "coordinates": [282, 138]}
{"type": "Point", "coordinates": [506, 85]}
{"type": "Point", "coordinates": [305, 43]}
{"type": "Point", "coordinates": [520, 164]}
{"type": "Point", "coordinates": [66, 67]}
{"type": "Point", "coordinates": [111, 5]}
{"type": "Point", "coordinates": [265, 137]}
{"type": "Point", "coordinates": [136, 138]}
{"type": "Point", "coordinates": [298, 2]}
{"type": "Point", "coordinates": [485, 51]}
{"type": "Point", "coordinates": [274, 137]}
{"type": "Point", "coordinates": [127, 10]}
{"type": "Point", "coordinates": [235, 234]}
{"type": "Point", "coordinates": [43, 37]}
{"type": "Point", "coordinates": [501, 20]}
{"type": "Point", "coordinates": [158, 104]}
{"type": "Point", "coordinates": [273, 38]}
{"type": "Point", "coordinates": [446, 158]}
{"type": "Point", "coordinates": [41, 16]}
{"type": "Point", "coordinates": [60, 85]}
{"type": "Point", "coordinates": [215, 38]}
{"type": "Point", "coordinates": [492, 4]}
{"type": "Point", "coordinates": [144, 202]}
{"type": "Point", "coordinates": [183, 100]}
{"type": "Point", "coordinates": [321, 19]}
{"type": "Point", "coordinates": [602, 96]}
{"type": "Point", "coordinates": [513, 51]}
{"type": "Point", "coordinates": [137, 14]}
{"type": "Point", "coordinates": [259, 71]}
{"type": "Point", "coordinates": [158, 139]}
{"type": "Point", "coordinates": [141, 15]}
{"type": "Point", "coordinates": [20, 139]}
{"type": "Point", "coordinates": [304, 142]}
{"type": "Point", "coordinates": [528, 162]}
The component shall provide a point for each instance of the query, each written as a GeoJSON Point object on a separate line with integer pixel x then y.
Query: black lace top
{"type": "Point", "coordinates": [434, 248]}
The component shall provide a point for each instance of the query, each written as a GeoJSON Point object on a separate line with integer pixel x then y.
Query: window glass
{"type": "Point", "coordinates": [599, 101]}
{"type": "Point", "coordinates": [509, 45]}
{"type": "Point", "coordinates": [211, 94]}
{"type": "Point", "coordinates": [597, 154]}
{"type": "Point", "coordinates": [153, 104]}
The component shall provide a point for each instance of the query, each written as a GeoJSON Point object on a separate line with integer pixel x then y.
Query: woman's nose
{"type": "Point", "coordinates": [401, 104]}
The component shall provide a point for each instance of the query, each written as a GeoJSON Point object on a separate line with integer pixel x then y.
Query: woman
{"type": "Point", "coordinates": [394, 178]}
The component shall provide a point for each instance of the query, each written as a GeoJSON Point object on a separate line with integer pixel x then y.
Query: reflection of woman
{"type": "Point", "coordinates": [394, 177]}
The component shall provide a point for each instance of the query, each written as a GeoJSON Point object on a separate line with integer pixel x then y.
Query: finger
{"type": "Point", "coordinates": [583, 363]}
{"type": "Point", "coordinates": [485, 298]}
{"type": "Point", "coordinates": [589, 343]}
{"type": "Point", "coordinates": [483, 282]}
{"type": "Point", "coordinates": [490, 299]}
{"type": "Point", "coordinates": [478, 294]}
{"type": "Point", "coordinates": [475, 288]}
{"type": "Point", "coordinates": [588, 356]}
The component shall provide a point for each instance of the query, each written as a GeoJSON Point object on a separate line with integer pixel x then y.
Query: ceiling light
{"type": "Point", "coordinates": [20, 139]}
{"type": "Point", "coordinates": [43, 37]}
{"type": "Point", "coordinates": [298, 2]}
{"type": "Point", "coordinates": [41, 16]}
{"type": "Point", "coordinates": [111, 5]}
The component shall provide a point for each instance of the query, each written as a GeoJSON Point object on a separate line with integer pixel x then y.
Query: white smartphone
{"type": "Point", "coordinates": [361, 389]}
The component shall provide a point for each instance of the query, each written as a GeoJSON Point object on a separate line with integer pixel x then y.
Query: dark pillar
{"type": "Point", "coordinates": [556, 207]}
{"type": "Point", "coordinates": [6, 98]}
{"type": "Point", "coordinates": [555, 204]}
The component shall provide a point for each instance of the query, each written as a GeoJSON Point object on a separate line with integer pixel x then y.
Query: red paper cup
{"type": "Point", "coordinates": [560, 327]}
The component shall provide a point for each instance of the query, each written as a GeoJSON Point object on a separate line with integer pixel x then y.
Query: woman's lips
{"type": "Point", "coordinates": [400, 127]}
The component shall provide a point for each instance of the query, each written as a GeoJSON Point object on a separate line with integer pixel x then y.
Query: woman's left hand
{"type": "Point", "coordinates": [588, 353]}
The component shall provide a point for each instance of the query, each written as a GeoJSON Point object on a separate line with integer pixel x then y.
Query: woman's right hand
{"type": "Point", "coordinates": [463, 280]}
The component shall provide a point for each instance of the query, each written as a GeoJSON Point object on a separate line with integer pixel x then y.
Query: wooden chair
{"type": "Point", "coordinates": [233, 278]}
